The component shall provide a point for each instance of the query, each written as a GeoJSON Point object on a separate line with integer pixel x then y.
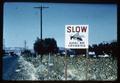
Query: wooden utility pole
{"type": "Point", "coordinates": [25, 44]}
{"type": "Point", "coordinates": [41, 8]}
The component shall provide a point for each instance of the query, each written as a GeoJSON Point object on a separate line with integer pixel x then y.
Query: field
{"type": "Point", "coordinates": [78, 68]}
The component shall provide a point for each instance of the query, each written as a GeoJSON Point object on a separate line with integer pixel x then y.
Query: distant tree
{"type": "Point", "coordinates": [108, 48]}
{"type": "Point", "coordinates": [51, 45]}
{"type": "Point", "coordinates": [48, 45]}
{"type": "Point", "coordinates": [39, 47]}
{"type": "Point", "coordinates": [114, 48]}
{"type": "Point", "coordinates": [79, 51]}
{"type": "Point", "coordinates": [95, 49]}
{"type": "Point", "coordinates": [90, 48]}
{"type": "Point", "coordinates": [101, 48]}
{"type": "Point", "coordinates": [26, 52]}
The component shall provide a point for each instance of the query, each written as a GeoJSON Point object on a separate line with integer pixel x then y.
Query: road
{"type": "Point", "coordinates": [16, 68]}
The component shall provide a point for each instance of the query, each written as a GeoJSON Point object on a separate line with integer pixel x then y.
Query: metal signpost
{"type": "Point", "coordinates": [65, 64]}
{"type": "Point", "coordinates": [87, 62]}
{"type": "Point", "coordinates": [76, 37]}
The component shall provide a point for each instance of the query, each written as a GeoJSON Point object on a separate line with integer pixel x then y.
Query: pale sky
{"type": "Point", "coordinates": [22, 22]}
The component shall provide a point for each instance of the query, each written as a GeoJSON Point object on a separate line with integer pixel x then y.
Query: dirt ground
{"type": "Point", "coordinates": [78, 68]}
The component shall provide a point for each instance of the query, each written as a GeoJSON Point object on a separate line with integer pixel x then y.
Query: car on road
{"type": "Point", "coordinates": [105, 55]}
{"type": "Point", "coordinates": [92, 54]}
{"type": "Point", "coordinates": [12, 54]}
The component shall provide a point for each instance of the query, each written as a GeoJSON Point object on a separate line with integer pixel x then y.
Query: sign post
{"type": "Point", "coordinates": [87, 63]}
{"type": "Point", "coordinates": [65, 64]}
{"type": "Point", "coordinates": [76, 37]}
{"type": "Point", "coordinates": [49, 66]}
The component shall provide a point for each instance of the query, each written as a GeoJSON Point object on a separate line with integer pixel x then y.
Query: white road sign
{"type": "Point", "coordinates": [76, 36]}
